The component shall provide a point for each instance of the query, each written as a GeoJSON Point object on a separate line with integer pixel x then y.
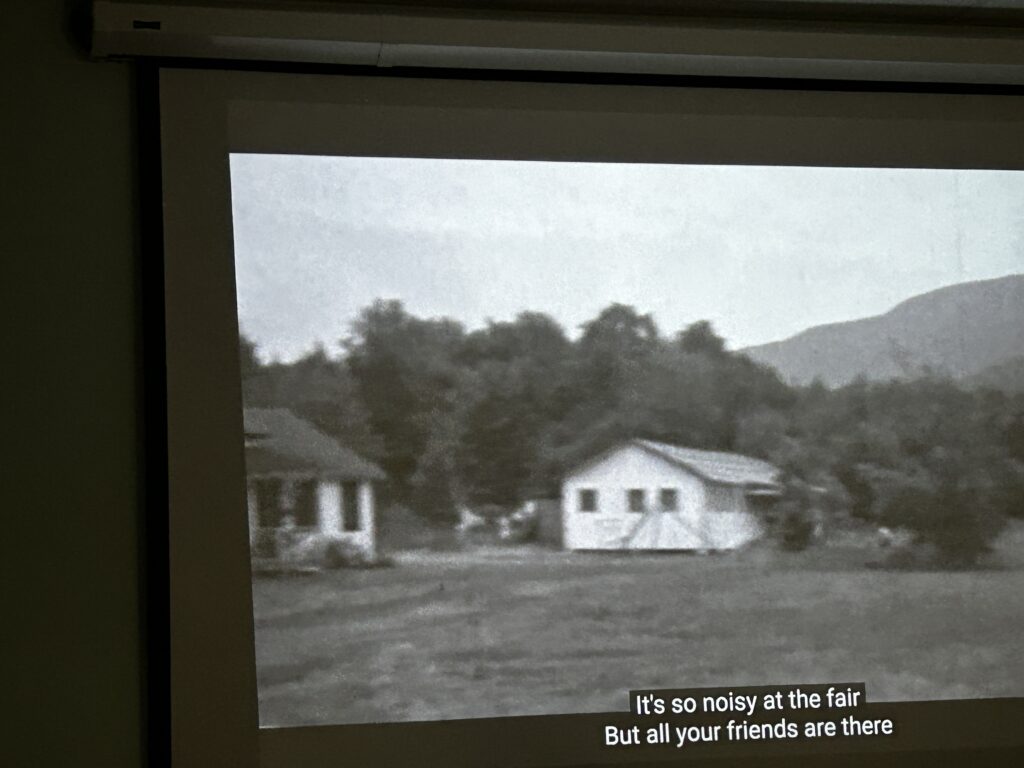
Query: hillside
{"type": "Point", "coordinates": [959, 330]}
{"type": "Point", "coordinates": [1007, 376]}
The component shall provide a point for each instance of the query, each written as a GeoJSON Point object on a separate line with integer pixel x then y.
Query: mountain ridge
{"type": "Point", "coordinates": [958, 330]}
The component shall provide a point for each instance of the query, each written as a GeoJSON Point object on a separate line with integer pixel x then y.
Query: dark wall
{"type": "Point", "coordinates": [71, 385]}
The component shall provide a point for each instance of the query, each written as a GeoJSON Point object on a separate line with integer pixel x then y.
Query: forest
{"type": "Point", "coordinates": [491, 417]}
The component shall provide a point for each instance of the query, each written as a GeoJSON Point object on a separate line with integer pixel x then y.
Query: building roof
{"type": "Point", "coordinates": [714, 466]}
{"type": "Point", "coordinates": [717, 466]}
{"type": "Point", "coordinates": [278, 441]}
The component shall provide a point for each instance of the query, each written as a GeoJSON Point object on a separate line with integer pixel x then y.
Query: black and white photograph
{"type": "Point", "coordinates": [522, 436]}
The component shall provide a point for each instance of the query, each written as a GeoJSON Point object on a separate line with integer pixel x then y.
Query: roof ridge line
{"type": "Point", "coordinates": [652, 445]}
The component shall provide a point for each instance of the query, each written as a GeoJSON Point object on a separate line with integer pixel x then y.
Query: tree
{"type": "Point", "coordinates": [1008, 487]}
{"type": "Point", "coordinates": [1015, 437]}
{"type": "Point", "coordinates": [674, 399]}
{"type": "Point", "coordinates": [434, 486]}
{"type": "Point", "coordinates": [763, 433]}
{"type": "Point", "coordinates": [499, 436]}
{"type": "Point", "coordinates": [248, 362]}
{"type": "Point", "coordinates": [948, 505]}
{"type": "Point", "coordinates": [612, 352]}
{"type": "Point", "coordinates": [531, 336]}
{"type": "Point", "coordinates": [518, 385]}
{"type": "Point", "coordinates": [498, 415]}
{"type": "Point", "coordinates": [700, 338]}
{"type": "Point", "coordinates": [795, 527]}
{"type": "Point", "coordinates": [405, 373]}
{"type": "Point", "coordinates": [323, 392]}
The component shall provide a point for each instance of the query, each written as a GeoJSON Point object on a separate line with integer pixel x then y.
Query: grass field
{"type": "Point", "coordinates": [530, 631]}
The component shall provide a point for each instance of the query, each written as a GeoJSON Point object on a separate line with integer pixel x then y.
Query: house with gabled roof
{"type": "Point", "coordinates": [647, 495]}
{"type": "Point", "coordinates": [303, 484]}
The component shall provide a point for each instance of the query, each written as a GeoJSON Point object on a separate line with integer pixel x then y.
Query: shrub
{"type": "Point", "coordinates": [794, 516]}
{"type": "Point", "coordinates": [956, 512]}
{"type": "Point", "coordinates": [382, 561]}
{"type": "Point", "coordinates": [342, 554]}
{"type": "Point", "coordinates": [796, 530]}
{"type": "Point", "coordinates": [326, 551]}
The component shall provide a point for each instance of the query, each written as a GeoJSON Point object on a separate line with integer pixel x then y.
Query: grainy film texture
{"type": "Point", "coordinates": [521, 437]}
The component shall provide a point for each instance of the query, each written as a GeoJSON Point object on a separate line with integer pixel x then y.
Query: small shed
{"type": "Point", "coordinates": [302, 483]}
{"type": "Point", "coordinates": [647, 495]}
{"type": "Point", "coordinates": [547, 514]}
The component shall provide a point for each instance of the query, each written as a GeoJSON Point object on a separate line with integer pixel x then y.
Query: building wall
{"type": "Point", "coordinates": [705, 520]}
{"type": "Point", "coordinates": [252, 508]}
{"type": "Point", "coordinates": [368, 516]}
{"type": "Point", "coordinates": [731, 525]}
{"type": "Point", "coordinates": [73, 491]}
{"type": "Point", "coordinates": [613, 526]}
{"type": "Point", "coordinates": [330, 501]}
{"type": "Point", "coordinates": [330, 515]}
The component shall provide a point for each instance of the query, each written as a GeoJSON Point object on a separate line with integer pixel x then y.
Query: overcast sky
{"type": "Point", "coordinates": [762, 252]}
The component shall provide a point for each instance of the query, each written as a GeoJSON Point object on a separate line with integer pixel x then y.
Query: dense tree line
{"type": "Point", "coordinates": [495, 416]}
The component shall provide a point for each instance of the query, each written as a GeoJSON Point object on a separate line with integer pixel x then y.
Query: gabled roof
{"type": "Point", "coordinates": [717, 466]}
{"type": "Point", "coordinates": [279, 441]}
{"type": "Point", "coordinates": [713, 466]}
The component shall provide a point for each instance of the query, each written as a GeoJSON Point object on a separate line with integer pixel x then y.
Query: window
{"type": "Point", "coordinates": [350, 506]}
{"type": "Point", "coordinates": [304, 504]}
{"type": "Point", "coordinates": [635, 497]}
{"type": "Point", "coordinates": [669, 500]}
{"type": "Point", "coordinates": [268, 502]}
{"type": "Point", "coordinates": [588, 500]}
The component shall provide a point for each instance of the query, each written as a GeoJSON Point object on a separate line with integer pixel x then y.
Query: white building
{"type": "Point", "coordinates": [302, 484]}
{"type": "Point", "coordinates": [647, 495]}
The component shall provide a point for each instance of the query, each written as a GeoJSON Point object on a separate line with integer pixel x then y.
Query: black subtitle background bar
{"type": "Point", "coordinates": [928, 733]}
{"type": "Point", "coordinates": [667, 694]}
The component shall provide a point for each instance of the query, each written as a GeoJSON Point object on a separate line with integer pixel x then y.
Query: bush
{"type": "Point", "coordinates": [956, 513]}
{"type": "Point", "coordinates": [342, 554]}
{"type": "Point", "coordinates": [905, 558]}
{"type": "Point", "coordinates": [1008, 482]}
{"type": "Point", "coordinates": [325, 551]}
{"type": "Point", "coordinates": [796, 530]}
{"type": "Point", "coordinates": [794, 516]}
{"type": "Point", "coordinates": [399, 528]}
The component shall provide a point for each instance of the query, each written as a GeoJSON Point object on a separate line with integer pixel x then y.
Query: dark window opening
{"type": "Point", "coordinates": [588, 500]}
{"type": "Point", "coordinates": [636, 499]}
{"type": "Point", "coordinates": [268, 502]}
{"type": "Point", "coordinates": [350, 506]}
{"type": "Point", "coordinates": [669, 500]}
{"type": "Point", "coordinates": [305, 509]}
